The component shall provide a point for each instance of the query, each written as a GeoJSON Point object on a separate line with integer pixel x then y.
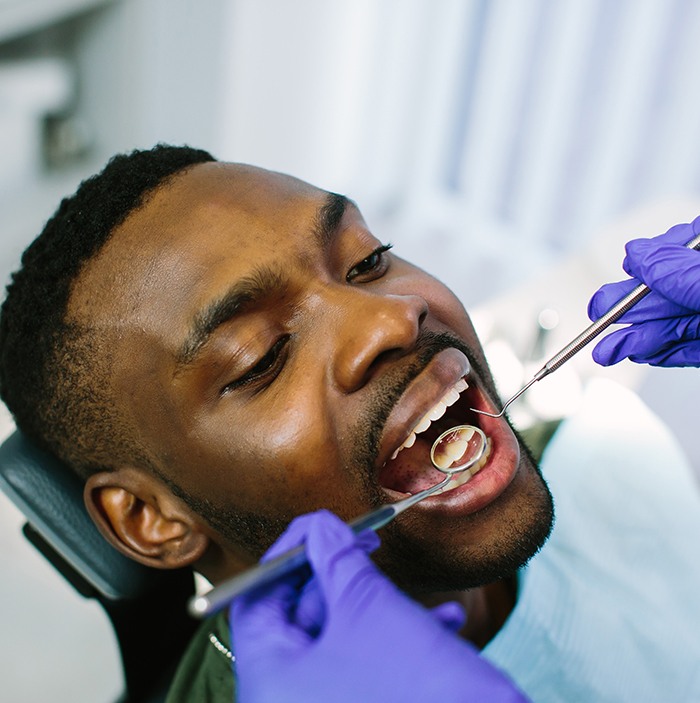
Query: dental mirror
{"type": "Point", "coordinates": [455, 451]}
{"type": "Point", "coordinates": [458, 449]}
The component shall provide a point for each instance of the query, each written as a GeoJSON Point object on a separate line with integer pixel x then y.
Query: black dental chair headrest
{"type": "Point", "coordinates": [147, 607]}
{"type": "Point", "coordinates": [51, 497]}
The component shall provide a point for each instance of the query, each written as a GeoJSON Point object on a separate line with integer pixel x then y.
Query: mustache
{"type": "Point", "coordinates": [369, 430]}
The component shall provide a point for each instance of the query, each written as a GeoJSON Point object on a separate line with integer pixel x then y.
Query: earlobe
{"type": "Point", "coordinates": [143, 519]}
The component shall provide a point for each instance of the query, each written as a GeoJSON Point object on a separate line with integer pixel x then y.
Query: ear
{"type": "Point", "coordinates": [141, 517]}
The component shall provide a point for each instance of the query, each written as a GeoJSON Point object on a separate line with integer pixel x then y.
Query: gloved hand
{"type": "Point", "coordinates": [347, 634]}
{"type": "Point", "coordinates": [664, 326]}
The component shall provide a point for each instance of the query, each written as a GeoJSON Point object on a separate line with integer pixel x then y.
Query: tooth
{"type": "Point", "coordinates": [451, 453]}
{"type": "Point", "coordinates": [461, 385]}
{"type": "Point", "coordinates": [438, 411]}
{"type": "Point", "coordinates": [410, 441]}
{"type": "Point", "coordinates": [461, 478]}
{"type": "Point", "coordinates": [456, 450]}
{"type": "Point", "coordinates": [423, 425]}
{"type": "Point", "coordinates": [395, 454]}
{"type": "Point", "coordinates": [451, 397]}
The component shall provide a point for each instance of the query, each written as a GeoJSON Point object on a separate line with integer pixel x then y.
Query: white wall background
{"type": "Point", "coordinates": [497, 142]}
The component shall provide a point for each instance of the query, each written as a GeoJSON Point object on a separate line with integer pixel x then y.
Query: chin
{"type": "Point", "coordinates": [476, 550]}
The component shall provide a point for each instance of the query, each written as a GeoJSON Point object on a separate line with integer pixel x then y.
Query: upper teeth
{"type": "Point", "coordinates": [435, 413]}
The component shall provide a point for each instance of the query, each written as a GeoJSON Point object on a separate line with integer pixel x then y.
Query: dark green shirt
{"type": "Point", "coordinates": [205, 673]}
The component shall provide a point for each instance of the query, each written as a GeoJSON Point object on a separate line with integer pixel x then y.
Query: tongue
{"type": "Point", "coordinates": [412, 470]}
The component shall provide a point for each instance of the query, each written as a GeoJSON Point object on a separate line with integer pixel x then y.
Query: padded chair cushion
{"type": "Point", "coordinates": [51, 497]}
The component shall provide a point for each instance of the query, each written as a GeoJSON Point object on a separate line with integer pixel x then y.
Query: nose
{"type": "Point", "coordinates": [373, 330]}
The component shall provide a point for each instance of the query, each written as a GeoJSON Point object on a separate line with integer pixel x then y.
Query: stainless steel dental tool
{"type": "Point", "coordinates": [588, 335]}
{"type": "Point", "coordinates": [454, 451]}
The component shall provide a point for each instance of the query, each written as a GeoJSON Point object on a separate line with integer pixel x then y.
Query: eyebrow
{"type": "Point", "coordinates": [329, 216]}
{"type": "Point", "coordinates": [263, 282]}
{"type": "Point", "coordinates": [245, 294]}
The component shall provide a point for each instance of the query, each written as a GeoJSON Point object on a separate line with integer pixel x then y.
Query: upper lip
{"type": "Point", "coordinates": [429, 386]}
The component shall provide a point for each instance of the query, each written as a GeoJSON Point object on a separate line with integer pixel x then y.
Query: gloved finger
{"type": "Point", "coordinates": [606, 296]}
{"type": "Point", "coordinates": [280, 596]}
{"type": "Point", "coordinates": [681, 233]}
{"type": "Point", "coordinates": [678, 234]}
{"type": "Point", "coordinates": [294, 535]}
{"type": "Point", "coordinates": [653, 306]}
{"type": "Point", "coordinates": [367, 541]}
{"type": "Point", "coordinates": [645, 341]}
{"type": "Point", "coordinates": [451, 615]}
{"type": "Point", "coordinates": [670, 270]}
{"type": "Point", "coordinates": [267, 610]}
{"type": "Point", "coordinates": [310, 609]}
{"type": "Point", "coordinates": [310, 612]}
{"type": "Point", "coordinates": [306, 608]}
{"type": "Point", "coordinates": [274, 607]}
{"type": "Point", "coordinates": [682, 354]}
{"type": "Point", "coordinates": [340, 565]}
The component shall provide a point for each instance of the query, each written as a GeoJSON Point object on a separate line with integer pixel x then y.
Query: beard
{"type": "Point", "coordinates": [409, 558]}
{"type": "Point", "coordinates": [419, 566]}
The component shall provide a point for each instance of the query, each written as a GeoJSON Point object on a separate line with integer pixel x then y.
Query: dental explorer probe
{"type": "Point", "coordinates": [266, 572]}
{"type": "Point", "coordinates": [588, 335]}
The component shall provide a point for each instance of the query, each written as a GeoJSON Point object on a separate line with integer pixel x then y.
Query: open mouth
{"type": "Point", "coordinates": [410, 468]}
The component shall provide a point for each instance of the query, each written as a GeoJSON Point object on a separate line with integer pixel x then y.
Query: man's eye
{"type": "Point", "coordinates": [371, 267]}
{"type": "Point", "coordinates": [266, 369]}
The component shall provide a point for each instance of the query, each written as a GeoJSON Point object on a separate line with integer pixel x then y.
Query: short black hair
{"type": "Point", "coordinates": [52, 370]}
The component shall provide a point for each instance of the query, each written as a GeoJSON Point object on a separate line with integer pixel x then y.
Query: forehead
{"type": "Point", "coordinates": [178, 240]}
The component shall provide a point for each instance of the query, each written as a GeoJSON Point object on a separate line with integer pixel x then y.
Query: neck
{"type": "Point", "coordinates": [487, 608]}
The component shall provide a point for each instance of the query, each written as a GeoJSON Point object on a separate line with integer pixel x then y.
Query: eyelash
{"type": "Point", "coordinates": [263, 371]}
{"type": "Point", "coordinates": [376, 269]}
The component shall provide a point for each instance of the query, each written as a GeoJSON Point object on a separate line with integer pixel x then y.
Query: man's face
{"type": "Point", "coordinates": [275, 357]}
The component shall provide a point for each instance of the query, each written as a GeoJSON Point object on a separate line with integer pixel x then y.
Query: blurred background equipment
{"type": "Point", "coordinates": [510, 147]}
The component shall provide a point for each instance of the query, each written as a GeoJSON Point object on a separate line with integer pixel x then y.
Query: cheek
{"type": "Point", "coordinates": [446, 308]}
{"type": "Point", "coordinates": [288, 462]}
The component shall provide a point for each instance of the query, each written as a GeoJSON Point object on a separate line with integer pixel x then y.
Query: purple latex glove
{"type": "Point", "coordinates": [664, 327]}
{"type": "Point", "coordinates": [347, 634]}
